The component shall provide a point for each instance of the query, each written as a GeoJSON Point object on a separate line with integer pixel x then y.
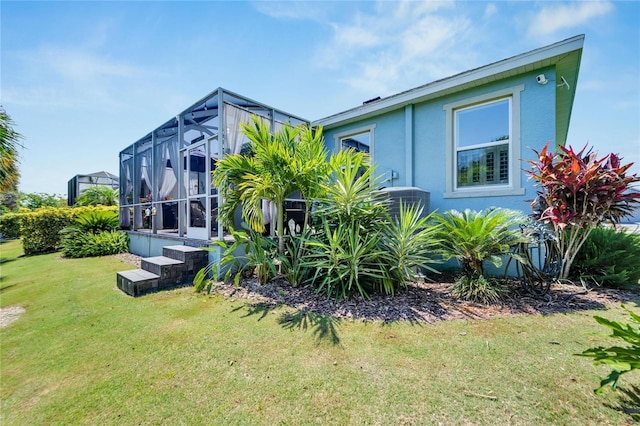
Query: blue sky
{"type": "Point", "coordinates": [82, 80]}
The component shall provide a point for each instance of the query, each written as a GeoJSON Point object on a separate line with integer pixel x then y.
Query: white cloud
{"type": "Point", "coordinates": [396, 46]}
{"type": "Point", "coordinates": [81, 66]}
{"type": "Point", "coordinates": [559, 16]}
{"type": "Point", "coordinates": [490, 10]}
{"type": "Point", "coordinates": [295, 10]}
{"type": "Point", "coordinates": [349, 37]}
{"type": "Point", "coordinates": [68, 77]}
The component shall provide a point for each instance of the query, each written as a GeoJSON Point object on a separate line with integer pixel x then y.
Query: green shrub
{"type": "Point", "coordinates": [411, 240]}
{"type": "Point", "coordinates": [345, 254]}
{"type": "Point", "coordinates": [473, 237]}
{"type": "Point", "coordinates": [107, 242]}
{"type": "Point", "coordinates": [347, 260]}
{"type": "Point", "coordinates": [10, 225]}
{"type": "Point", "coordinates": [479, 289]}
{"type": "Point", "coordinates": [620, 359]}
{"type": "Point", "coordinates": [41, 228]}
{"type": "Point", "coordinates": [77, 243]}
{"type": "Point", "coordinates": [259, 259]}
{"type": "Point", "coordinates": [357, 249]}
{"type": "Point", "coordinates": [291, 261]}
{"type": "Point", "coordinates": [610, 258]}
{"type": "Point", "coordinates": [93, 233]}
{"type": "Point", "coordinates": [95, 221]}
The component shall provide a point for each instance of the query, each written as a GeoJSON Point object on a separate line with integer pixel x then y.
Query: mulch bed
{"type": "Point", "coordinates": [424, 302]}
{"type": "Point", "coordinates": [419, 302]}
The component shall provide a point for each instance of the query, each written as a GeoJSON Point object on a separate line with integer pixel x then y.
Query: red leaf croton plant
{"type": "Point", "coordinates": [578, 192]}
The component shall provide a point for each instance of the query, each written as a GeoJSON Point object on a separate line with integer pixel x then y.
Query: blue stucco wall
{"type": "Point", "coordinates": [537, 126]}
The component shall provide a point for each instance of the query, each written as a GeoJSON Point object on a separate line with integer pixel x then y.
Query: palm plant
{"type": "Point", "coordinates": [310, 167]}
{"type": "Point", "coordinates": [278, 164]}
{"type": "Point", "coordinates": [475, 236]}
{"type": "Point", "coordinates": [411, 240]}
{"type": "Point", "coordinates": [346, 254]}
{"type": "Point", "coordinates": [98, 195]}
{"type": "Point", "coordinates": [9, 143]}
{"type": "Point", "coordinates": [348, 260]}
{"type": "Point", "coordinates": [351, 194]}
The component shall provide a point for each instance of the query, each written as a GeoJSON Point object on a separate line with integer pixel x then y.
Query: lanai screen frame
{"type": "Point", "coordinates": [148, 201]}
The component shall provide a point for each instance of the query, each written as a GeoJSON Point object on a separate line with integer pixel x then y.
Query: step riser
{"type": "Point", "coordinates": [137, 288]}
{"type": "Point", "coordinates": [194, 260]}
{"type": "Point", "coordinates": [172, 273]}
{"type": "Point", "coordinates": [177, 267]}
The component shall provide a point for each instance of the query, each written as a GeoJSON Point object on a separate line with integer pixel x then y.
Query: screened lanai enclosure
{"type": "Point", "coordinates": [165, 177]}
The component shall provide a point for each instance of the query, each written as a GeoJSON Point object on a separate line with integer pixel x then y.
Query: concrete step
{"type": "Point", "coordinates": [137, 282]}
{"type": "Point", "coordinates": [178, 266]}
{"type": "Point", "coordinates": [171, 272]}
{"type": "Point", "coordinates": [193, 258]}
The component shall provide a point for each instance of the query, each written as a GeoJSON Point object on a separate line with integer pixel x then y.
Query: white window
{"type": "Point", "coordinates": [360, 139]}
{"type": "Point", "coordinates": [483, 145]}
{"type": "Point", "coordinates": [482, 135]}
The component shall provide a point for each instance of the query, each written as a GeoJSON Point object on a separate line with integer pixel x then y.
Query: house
{"type": "Point", "coordinates": [79, 183]}
{"type": "Point", "coordinates": [462, 140]}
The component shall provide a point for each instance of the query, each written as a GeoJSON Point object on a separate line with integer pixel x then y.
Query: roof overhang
{"type": "Point", "coordinates": [564, 55]}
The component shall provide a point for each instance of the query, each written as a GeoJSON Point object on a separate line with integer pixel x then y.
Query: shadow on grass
{"type": "Point", "coordinates": [324, 327]}
{"type": "Point", "coordinates": [629, 401]}
{"type": "Point", "coordinates": [415, 303]}
{"type": "Point", "coordinates": [5, 260]}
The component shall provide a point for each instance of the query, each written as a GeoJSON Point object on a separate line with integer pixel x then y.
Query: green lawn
{"type": "Point", "coordinates": [85, 353]}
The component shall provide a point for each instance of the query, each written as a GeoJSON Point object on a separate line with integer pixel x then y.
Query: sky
{"type": "Point", "coordinates": [83, 80]}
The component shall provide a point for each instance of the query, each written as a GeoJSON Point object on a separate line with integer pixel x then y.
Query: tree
{"type": "Point", "coordinates": [277, 165]}
{"type": "Point", "coordinates": [35, 200]}
{"type": "Point", "coordinates": [577, 193]}
{"type": "Point", "coordinates": [310, 167]}
{"type": "Point", "coordinates": [98, 195]}
{"type": "Point", "coordinates": [9, 143]}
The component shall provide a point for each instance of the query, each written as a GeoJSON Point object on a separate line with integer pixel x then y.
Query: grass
{"type": "Point", "coordinates": [85, 353]}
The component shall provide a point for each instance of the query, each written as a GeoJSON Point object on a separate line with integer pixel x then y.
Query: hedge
{"type": "Point", "coordinates": [10, 225]}
{"type": "Point", "coordinates": [41, 228]}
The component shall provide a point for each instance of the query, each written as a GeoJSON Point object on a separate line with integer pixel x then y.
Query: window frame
{"type": "Point", "coordinates": [338, 137]}
{"type": "Point", "coordinates": [514, 185]}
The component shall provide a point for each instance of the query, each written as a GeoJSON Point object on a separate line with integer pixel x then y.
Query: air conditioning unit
{"type": "Point", "coordinates": [409, 195]}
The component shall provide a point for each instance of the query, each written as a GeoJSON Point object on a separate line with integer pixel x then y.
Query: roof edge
{"type": "Point", "coordinates": [408, 97]}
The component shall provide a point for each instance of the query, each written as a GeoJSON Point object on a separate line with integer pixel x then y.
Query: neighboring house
{"type": "Point", "coordinates": [77, 184]}
{"type": "Point", "coordinates": [463, 139]}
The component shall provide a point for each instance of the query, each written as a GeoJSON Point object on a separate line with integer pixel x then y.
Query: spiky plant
{"type": "Point", "coordinates": [579, 191]}
{"type": "Point", "coordinates": [475, 236]}
{"type": "Point", "coordinates": [412, 241]}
